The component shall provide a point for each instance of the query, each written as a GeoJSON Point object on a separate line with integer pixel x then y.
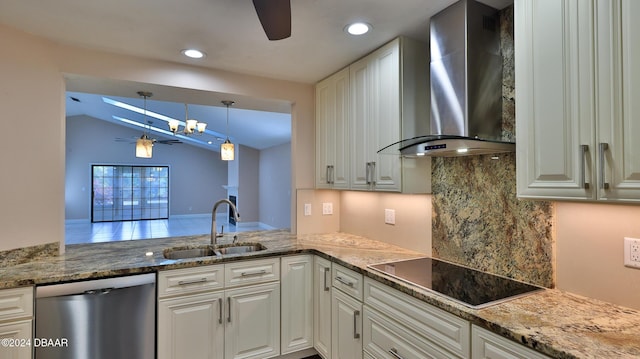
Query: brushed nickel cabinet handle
{"type": "Point", "coordinates": [326, 175]}
{"type": "Point", "coordinates": [602, 148]}
{"type": "Point", "coordinates": [584, 149]}
{"type": "Point", "coordinates": [373, 173]}
{"type": "Point", "coordinates": [368, 173]}
{"type": "Point", "coordinates": [394, 352]}
{"type": "Point", "coordinates": [326, 271]}
{"type": "Point", "coordinates": [356, 335]}
{"type": "Point", "coordinates": [251, 274]}
{"type": "Point", "coordinates": [344, 281]}
{"type": "Point", "coordinates": [194, 281]}
{"type": "Point", "coordinates": [229, 308]}
{"type": "Point", "coordinates": [220, 310]}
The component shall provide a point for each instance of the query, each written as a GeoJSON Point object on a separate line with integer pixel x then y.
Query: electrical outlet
{"type": "Point", "coordinates": [632, 252]}
{"type": "Point", "coordinates": [390, 216]}
{"type": "Point", "coordinates": [307, 209]}
{"type": "Point", "coordinates": [327, 208]}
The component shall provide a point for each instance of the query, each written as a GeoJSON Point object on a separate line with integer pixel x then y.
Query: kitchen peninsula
{"type": "Point", "coordinates": [552, 322]}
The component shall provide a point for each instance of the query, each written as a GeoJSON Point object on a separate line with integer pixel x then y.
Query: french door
{"type": "Point", "coordinates": [129, 193]}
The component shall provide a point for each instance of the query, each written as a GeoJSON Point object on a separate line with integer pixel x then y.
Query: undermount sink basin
{"type": "Point", "coordinates": [240, 248]}
{"type": "Point", "coordinates": [210, 250]}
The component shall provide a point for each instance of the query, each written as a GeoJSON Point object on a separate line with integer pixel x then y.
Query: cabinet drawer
{"type": "Point", "coordinates": [16, 303]}
{"type": "Point", "coordinates": [190, 280]}
{"type": "Point", "coordinates": [488, 345]}
{"type": "Point", "coordinates": [347, 281]}
{"type": "Point", "coordinates": [252, 272]}
{"type": "Point", "coordinates": [382, 338]}
{"type": "Point", "coordinates": [445, 329]}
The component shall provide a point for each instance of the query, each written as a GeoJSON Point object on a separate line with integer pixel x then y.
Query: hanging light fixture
{"type": "Point", "coordinates": [190, 125]}
{"type": "Point", "coordinates": [227, 151]}
{"type": "Point", "coordinates": [144, 145]}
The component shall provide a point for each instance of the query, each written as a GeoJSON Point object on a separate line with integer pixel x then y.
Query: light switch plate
{"type": "Point", "coordinates": [307, 209]}
{"type": "Point", "coordinates": [327, 208]}
{"type": "Point", "coordinates": [390, 216]}
{"type": "Point", "coordinates": [632, 252]}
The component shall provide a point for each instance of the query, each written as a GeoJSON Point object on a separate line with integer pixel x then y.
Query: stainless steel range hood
{"type": "Point", "coordinates": [466, 86]}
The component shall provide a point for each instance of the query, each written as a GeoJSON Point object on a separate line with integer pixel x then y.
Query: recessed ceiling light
{"type": "Point", "coordinates": [358, 28]}
{"type": "Point", "coordinates": [193, 53]}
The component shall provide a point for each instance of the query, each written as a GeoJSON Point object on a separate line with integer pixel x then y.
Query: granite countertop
{"type": "Point", "coordinates": [556, 323]}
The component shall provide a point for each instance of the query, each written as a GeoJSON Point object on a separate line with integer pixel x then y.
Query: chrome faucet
{"type": "Point", "coordinates": [214, 231]}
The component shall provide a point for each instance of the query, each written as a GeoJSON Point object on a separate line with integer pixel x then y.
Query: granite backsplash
{"type": "Point", "coordinates": [477, 219]}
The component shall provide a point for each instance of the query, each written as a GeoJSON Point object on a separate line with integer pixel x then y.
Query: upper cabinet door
{"type": "Point", "coordinates": [618, 51]}
{"type": "Point", "coordinates": [332, 131]}
{"type": "Point", "coordinates": [554, 93]}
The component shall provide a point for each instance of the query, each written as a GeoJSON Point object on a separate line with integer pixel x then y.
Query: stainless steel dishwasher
{"type": "Point", "coordinates": [107, 318]}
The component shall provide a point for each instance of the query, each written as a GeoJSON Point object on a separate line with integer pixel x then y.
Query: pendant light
{"type": "Point", "coordinates": [227, 151]}
{"type": "Point", "coordinates": [144, 145]}
{"type": "Point", "coordinates": [191, 125]}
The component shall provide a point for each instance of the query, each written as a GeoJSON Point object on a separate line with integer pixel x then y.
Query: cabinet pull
{"type": "Point", "coordinates": [220, 310]}
{"type": "Point", "coordinates": [194, 281]}
{"type": "Point", "coordinates": [356, 335]}
{"type": "Point", "coordinates": [367, 174]}
{"type": "Point", "coordinates": [229, 308]}
{"type": "Point", "coordinates": [344, 281]}
{"type": "Point", "coordinates": [328, 174]}
{"type": "Point", "coordinates": [251, 274]}
{"type": "Point", "coordinates": [394, 352]}
{"type": "Point", "coordinates": [584, 149]}
{"type": "Point", "coordinates": [332, 179]}
{"type": "Point", "coordinates": [602, 147]}
{"type": "Point", "coordinates": [326, 288]}
{"type": "Point", "coordinates": [373, 173]}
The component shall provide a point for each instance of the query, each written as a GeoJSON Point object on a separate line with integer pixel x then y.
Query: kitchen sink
{"type": "Point", "coordinates": [240, 248]}
{"type": "Point", "coordinates": [210, 250]}
{"type": "Point", "coordinates": [189, 252]}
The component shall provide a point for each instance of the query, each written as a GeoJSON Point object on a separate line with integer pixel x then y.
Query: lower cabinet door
{"type": "Point", "coordinates": [18, 335]}
{"type": "Point", "coordinates": [346, 326]}
{"type": "Point", "coordinates": [252, 322]}
{"type": "Point", "coordinates": [191, 327]}
{"type": "Point", "coordinates": [296, 286]}
{"type": "Point", "coordinates": [322, 306]}
{"type": "Point", "coordinates": [383, 338]}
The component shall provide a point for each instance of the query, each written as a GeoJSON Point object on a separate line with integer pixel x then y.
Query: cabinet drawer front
{"type": "Point", "coordinates": [488, 345]}
{"type": "Point", "coordinates": [347, 281]}
{"type": "Point", "coordinates": [434, 324]}
{"type": "Point", "coordinates": [16, 303]}
{"type": "Point", "coordinates": [252, 272]}
{"type": "Point", "coordinates": [190, 280]}
{"type": "Point", "coordinates": [383, 338]}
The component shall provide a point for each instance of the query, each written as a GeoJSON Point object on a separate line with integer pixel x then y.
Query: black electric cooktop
{"type": "Point", "coordinates": [468, 286]}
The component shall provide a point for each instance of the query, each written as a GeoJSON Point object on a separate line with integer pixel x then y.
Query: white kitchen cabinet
{"type": "Point", "coordinates": [253, 322]}
{"type": "Point", "coordinates": [191, 326]}
{"type": "Point", "coordinates": [389, 102]}
{"type": "Point", "coordinates": [346, 326]}
{"type": "Point", "coordinates": [346, 313]}
{"type": "Point", "coordinates": [16, 322]}
{"type": "Point", "coordinates": [384, 338]}
{"type": "Point", "coordinates": [220, 311]}
{"type": "Point", "coordinates": [296, 286]}
{"type": "Point", "coordinates": [487, 345]}
{"type": "Point", "coordinates": [322, 306]}
{"type": "Point", "coordinates": [414, 328]}
{"type": "Point", "coordinates": [332, 131]}
{"type": "Point", "coordinates": [576, 114]}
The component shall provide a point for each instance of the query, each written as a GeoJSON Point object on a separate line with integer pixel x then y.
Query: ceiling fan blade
{"type": "Point", "coordinates": [275, 17]}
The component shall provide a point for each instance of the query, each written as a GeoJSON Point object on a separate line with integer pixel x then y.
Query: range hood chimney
{"type": "Point", "coordinates": [466, 86]}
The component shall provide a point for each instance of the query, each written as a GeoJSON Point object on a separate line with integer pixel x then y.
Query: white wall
{"type": "Point", "coordinates": [196, 175]}
{"type": "Point", "coordinates": [32, 190]}
{"type": "Point", "coordinates": [275, 186]}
